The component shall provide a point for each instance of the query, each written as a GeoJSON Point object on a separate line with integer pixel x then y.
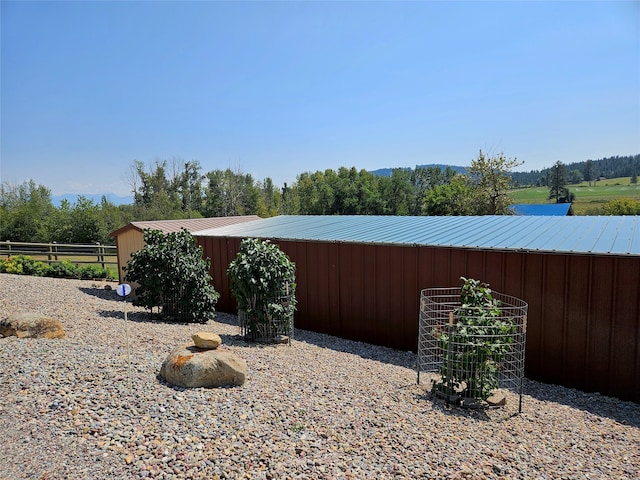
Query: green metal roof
{"type": "Point", "coordinates": [619, 235]}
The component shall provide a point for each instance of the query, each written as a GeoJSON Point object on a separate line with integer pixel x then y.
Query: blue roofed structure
{"type": "Point", "coordinates": [542, 209]}
{"type": "Point", "coordinates": [609, 235]}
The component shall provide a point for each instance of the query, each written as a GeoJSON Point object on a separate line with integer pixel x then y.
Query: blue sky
{"type": "Point", "coordinates": [279, 88]}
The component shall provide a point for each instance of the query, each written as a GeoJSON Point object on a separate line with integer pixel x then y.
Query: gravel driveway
{"type": "Point", "coordinates": [321, 408]}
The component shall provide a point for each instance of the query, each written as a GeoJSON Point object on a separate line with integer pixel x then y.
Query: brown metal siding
{"type": "Point", "coordinates": [583, 318]}
{"type": "Point", "coordinates": [577, 318]}
{"type": "Point", "coordinates": [600, 325]}
{"type": "Point", "coordinates": [625, 320]}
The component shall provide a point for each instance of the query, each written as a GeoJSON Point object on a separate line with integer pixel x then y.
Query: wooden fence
{"type": "Point", "coordinates": [54, 252]}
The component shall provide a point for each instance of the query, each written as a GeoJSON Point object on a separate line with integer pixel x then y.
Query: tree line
{"type": "Point", "coordinates": [177, 189]}
{"type": "Point", "coordinates": [587, 171]}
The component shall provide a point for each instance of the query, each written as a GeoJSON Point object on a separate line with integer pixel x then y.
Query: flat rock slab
{"type": "Point", "coordinates": [206, 340]}
{"type": "Point", "coordinates": [191, 367]}
{"type": "Point", "coordinates": [31, 325]}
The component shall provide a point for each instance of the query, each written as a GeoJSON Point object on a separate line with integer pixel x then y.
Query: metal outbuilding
{"type": "Point", "coordinates": [130, 238]}
{"type": "Point", "coordinates": [542, 209]}
{"type": "Point", "coordinates": [360, 277]}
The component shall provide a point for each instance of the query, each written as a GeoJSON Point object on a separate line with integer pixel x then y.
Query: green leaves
{"type": "Point", "coordinates": [173, 275]}
{"type": "Point", "coordinates": [263, 282]}
{"type": "Point", "coordinates": [474, 346]}
{"type": "Point", "coordinates": [25, 265]}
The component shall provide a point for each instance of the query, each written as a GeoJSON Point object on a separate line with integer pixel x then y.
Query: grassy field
{"type": "Point", "coordinates": [589, 199]}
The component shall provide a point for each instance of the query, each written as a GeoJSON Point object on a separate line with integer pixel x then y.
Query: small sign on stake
{"type": "Point", "coordinates": [123, 290]}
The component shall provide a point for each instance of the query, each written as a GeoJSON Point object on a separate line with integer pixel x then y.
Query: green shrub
{"type": "Point", "coordinates": [63, 269]}
{"type": "Point", "coordinates": [10, 265]}
{"type": "Point", "coordinates": [622, 206]}
{"type": "Point", "coordinates": [263, 282]}
{"type": "Point", "coordinates": [475, 345]}
{"type": "Point", "coordinates": [94, 271]}
{"type": "Point", "coordinates": [24, 265]}
{"type": "Point", "coordinates": [172, 275]}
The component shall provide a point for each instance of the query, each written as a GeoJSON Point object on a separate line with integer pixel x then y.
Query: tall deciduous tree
{"type": "Point", "coordinates": [453, 198]}
{"type": "Point", "coordinates": [230, 193]}
{"type": "Point", "coordinates": [290, 200]}
{"type": "Point", "coordinates": [575, 176]}
{"type": "Point", "coordinates": [24, 208]}
{"type": "Point", "coordinates": [166, 189]}
{"type": "Point", "coordinates": [491, 182]}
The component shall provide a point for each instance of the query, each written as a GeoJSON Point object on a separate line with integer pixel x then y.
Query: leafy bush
{"type": "Point", "coordinates": [475, 345]}
{"type": "Point", "coordinates": [172, 275]}
{"type": "Point", "coordinates": [94, 271]}
{"type": "Point", "coordinates": [622, 206]}
{"type": "Point", "coordinates": [63, 269]}
{"type": "Point", "coordinates": [23, 265]}
{"type": "Point", "coordinates": [263, 282]}
{"type": "Point", "coordinates": [10, 265]}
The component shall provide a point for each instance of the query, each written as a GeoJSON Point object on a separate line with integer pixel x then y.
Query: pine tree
{"type": "Point", "coordinates": [558, 181]}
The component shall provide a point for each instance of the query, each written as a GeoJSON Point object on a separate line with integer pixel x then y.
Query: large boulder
{"type": "Point", "coordinates": [190, 366]}
{"type": "Point", "coordinates": [31, 325]}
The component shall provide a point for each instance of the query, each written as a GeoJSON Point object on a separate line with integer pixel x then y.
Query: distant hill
{"type": "Point", "coordinates": [72, 198]}
{"type": "Point", "coordinates": [386, 172]}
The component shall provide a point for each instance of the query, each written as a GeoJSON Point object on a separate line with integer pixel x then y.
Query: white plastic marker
{"type": "Point", "coordinates": [123, 290]}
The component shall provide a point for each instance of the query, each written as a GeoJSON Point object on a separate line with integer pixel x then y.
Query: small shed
{"type": "Point", "coordinates": [360, 277]}
{"type": "Point", "coordinates": [130, 238]}
{"type": "Point", "coordinates": [543, 209]}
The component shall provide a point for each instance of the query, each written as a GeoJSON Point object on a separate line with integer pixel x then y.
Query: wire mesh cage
{"type": "Point", "coordinates": [275, 325]}
{"type": "Point", "coordinates": [473, 357]}
{"type": "Point", "coordinates": [176, 307]}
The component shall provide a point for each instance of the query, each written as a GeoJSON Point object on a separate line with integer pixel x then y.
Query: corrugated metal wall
{"type": "Point", "coordinates": [584, 310]}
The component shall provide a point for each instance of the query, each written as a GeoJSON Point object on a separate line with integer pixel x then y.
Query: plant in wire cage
{"type": "Point", "coordinates": [172, 275]}
{"type": "Point", "coordinates": [262, 279]}
{"type": "Point", "coordinates": [474, 346]}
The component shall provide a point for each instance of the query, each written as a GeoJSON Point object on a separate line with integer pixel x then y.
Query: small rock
{"type": "Point", "coordinates": [281, 339]}
{"type": "Point", "coordinates": [206, 340]}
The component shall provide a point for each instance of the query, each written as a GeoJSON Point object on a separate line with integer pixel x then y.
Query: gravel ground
{"type": "Point", "coordinates": [321, 408]}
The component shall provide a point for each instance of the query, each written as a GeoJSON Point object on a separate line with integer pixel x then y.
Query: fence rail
{"type": "Point", "coordinates": [54, 252]}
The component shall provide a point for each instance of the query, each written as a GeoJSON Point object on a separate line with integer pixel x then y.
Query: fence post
{"type": "Point", "coordinates": [8, 248]}
{"type": "Point", "coordinates": [55, 249]}
{"type": "Point", "coordinates": [100, 254]}
{"type": "Point", "coordinates": [50, 251]}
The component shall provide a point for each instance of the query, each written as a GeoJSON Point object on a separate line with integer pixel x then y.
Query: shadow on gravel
{"type": "Point", "coordinates": [101, 293]}
{"type": "Point", "coordinates": [143, 317]}
{"type": "Point", "coordinates": [322, 340]}
{"type": "Point", "coordinates": [626, 413]}
{"type": "Point", "coordinates": [487, 414]}
{"type": "Point", "coordinates": [131, 316]}
{"type": "Point", "coordinates": [227, 319]}
{"type": "Point", "coordinates": [364, 350]}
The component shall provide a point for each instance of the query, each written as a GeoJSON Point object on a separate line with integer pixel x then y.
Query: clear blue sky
{"type": "Point", "coordinates": [279, 88]}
